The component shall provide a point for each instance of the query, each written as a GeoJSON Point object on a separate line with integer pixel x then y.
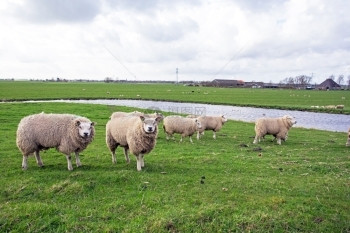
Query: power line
{"type": "Point", "coordinates": [126, 68]}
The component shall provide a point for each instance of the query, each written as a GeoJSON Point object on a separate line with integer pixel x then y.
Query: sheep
{"type": "Point", "coordinates": [213, 123]}
{"type": "Point", "coordinates": [135, 133]}
{"type": "Point", "coordinates": [65, 132]}
{"type": "Point", "coordinates": [348, 142]}
{"type": "Point", "coordinates": [181, 125]}
{"type": "Point", "coordinates": [340, 106]}
{"type": "Point", "coordinates": [278, 127]}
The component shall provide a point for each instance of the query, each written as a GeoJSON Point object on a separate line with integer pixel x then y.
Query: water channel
{"type": "Point", "coordinates": [322, 121]}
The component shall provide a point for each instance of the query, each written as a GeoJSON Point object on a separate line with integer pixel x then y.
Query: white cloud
{"type": "Point", "coordinates": [249, 40]}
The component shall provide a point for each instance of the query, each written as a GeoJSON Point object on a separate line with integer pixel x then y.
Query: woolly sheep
{"type": "Point", "coordinates": [213, 123]}
{"type": "Point", "coordinates": [181, 125]}
{"type": "Point", "coordinates": [65, 132]}
{"type": "Point", "coordinates": [135, 133]}
{"type": "Point", "coordinates": [278, 127]}
{"type": "Point", "coordinates": [348, 142]}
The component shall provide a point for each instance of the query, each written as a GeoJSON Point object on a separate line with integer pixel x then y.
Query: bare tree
{"type": "Point", "coordinates": [332, 77]}
{"type": "Point", "coordinates": [340, 79]}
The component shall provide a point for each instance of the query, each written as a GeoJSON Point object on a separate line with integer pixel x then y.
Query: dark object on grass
{"type": "Point", "coordinates": [257, 149]}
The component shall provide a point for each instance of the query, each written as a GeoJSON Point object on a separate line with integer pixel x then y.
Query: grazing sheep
{"type": "Point", "coordinates": [135, 133]}
{"type": "Point", "coordinates": [348, 142]}
{"type": "Point", "coordinates": [278, 127]}
{"type": "Point", "coordinates": [340, 106]}
{"type": "Point", "coordinates": [65, 132]}
{"type": "Point", "coordinates": [213, 123]}
{"type": "Point", "coordinates": [181, 125]}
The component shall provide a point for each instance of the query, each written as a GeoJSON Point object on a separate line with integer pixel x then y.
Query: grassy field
{"type": "Point", "coordinates": [270, 98]}
{"type": "Point", "coordinates": [226, 185]}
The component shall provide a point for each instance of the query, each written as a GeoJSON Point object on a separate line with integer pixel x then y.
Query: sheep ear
{"type": "Point", "coordinates": [142, 118]}
{"type": "Point", "coordinates": [93, 124]}
{"type": "Point", "coordinates": [158, 119]}
{"type": "Point", "coordinates": [77, 123]}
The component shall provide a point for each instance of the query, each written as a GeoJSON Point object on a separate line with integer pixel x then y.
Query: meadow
{"type": "Point", "coordinates": [223, 185]}
{"type": "Point", "coordinates": [267, 98]}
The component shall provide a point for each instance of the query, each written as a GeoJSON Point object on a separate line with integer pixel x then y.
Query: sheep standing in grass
{"type": "Point", "coordinates": [278, 127]}
{"type": "Point", "coordinates": [65, 132]}
{"type": "Point", "coordinates": [181, 125]}
{"type": "Point", "coordinates": [135, 133]}
{"type": "Point", "coordinates": [348, 142]}
{"type": "Point", "coordinates": [213, 123]}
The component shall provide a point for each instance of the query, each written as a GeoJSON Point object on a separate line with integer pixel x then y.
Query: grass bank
{"type": "Point", "coordinates": [226, 185]}
{"type": "Point", "coordinates": [267, 98]}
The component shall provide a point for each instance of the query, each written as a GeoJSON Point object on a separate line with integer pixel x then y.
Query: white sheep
{"type": "Point", "coordinates": [278, 127]}
{"type": "Point", "coordinates": [213, 123]}
{"type": "Point", "coordinates": [181, 125]}
{"type": "Point", "coordinates": [348, 142]}
{"type": "Point", "coordinates": [135, 133]}
{"type": "Point", "coordinates": [65, 132]}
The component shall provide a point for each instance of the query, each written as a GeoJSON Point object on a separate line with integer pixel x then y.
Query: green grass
{"type": "Point", "coordinates": [269, 98]}
{"type": "Point", "coordinates": [301, 186]}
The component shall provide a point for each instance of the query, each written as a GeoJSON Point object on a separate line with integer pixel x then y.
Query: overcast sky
{"type": "Point", "coordinates": [260, 40]}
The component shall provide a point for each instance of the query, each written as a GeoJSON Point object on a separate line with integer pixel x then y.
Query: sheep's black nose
{"type": "Point", "coordinates": [150, 128]}
{"type": "Point", "coordinates": [86, 134]}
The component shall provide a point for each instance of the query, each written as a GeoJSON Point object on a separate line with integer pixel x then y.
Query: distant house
{"type": "Point", "coordinates": [329, 84]}
{"type": "Point", "coordinates": [227, 83]}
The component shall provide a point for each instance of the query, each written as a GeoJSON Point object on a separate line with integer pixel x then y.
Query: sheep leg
{"type": "Point", "coordinates": [38, 159]}
{"type": "Point", "coordinates": [191, 139]}
{"type": "Point", "coordinates": [139, 162]}
{"type": "Point", "coordinates": [126, 154]}
{"type": "Point", "coordinates": [279, 141]}
{"type": "Point", "coordinates": [25, 162]}
{"type": "Point", "coordinates": [70, 167]}
{"type": "Point", "coordinates": [256, 139]}
{"type": "Point", "coordinates": [198, 135]}
{"type": "Point", "coordinates": [181, 139]}
{"type": "Point", "coordinates": [77, 159]}
{"type": "Point", "coordinates": [214, 134]}
{"type": "Point", "coordinates": [142, 160]}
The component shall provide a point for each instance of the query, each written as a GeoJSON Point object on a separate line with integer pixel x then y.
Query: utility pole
{"type": "Point", "coordinates": [177, 75]}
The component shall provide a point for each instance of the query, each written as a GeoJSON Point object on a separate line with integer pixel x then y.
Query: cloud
{"type": "Point", "coordinates": [68, 11]}
{"type": "Point", "coordinates": [205, 39]}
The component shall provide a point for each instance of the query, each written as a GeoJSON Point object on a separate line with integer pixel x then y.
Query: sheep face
{"type": "Point", "coordinates": [290, 120]}
{"type": "Point", "coordinates": [223, 119]}
{"type": "Point", "coordinates": [150, 124]}
{"type": "Point", "coordinates": [84, 128]}
{"type": "Point", "coordinates": [198, 124]}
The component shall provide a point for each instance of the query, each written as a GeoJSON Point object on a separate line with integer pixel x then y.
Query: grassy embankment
{"type": "Point", "coordinates": [210, 186]}
{"type": "Point", "coordinates": [268, 98]}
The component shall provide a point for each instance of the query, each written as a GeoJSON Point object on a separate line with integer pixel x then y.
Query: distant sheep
{"type": "Point", "coordinates": [213, 123]}
{"type": "Point", "coordinates": [278, 127]}
{"type": "Point", "coordinates": [340, 106]}
{"type": "Point", "coordinates": [65, 132]}
{"type": "Point", "coordinates": [348, 142]}
{"type": "Point", "coordinates": [135, 133]}
{"type": "Point", "coordinates": [181, 125]}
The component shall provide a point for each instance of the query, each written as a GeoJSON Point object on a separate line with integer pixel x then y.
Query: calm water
{"type": "Point", "coordinates": [323, 121]}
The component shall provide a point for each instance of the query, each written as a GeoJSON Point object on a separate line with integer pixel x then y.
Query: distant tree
{"type": "Point", "coordinates": [332, 77]}
{"type": "Point", "coordinates": [340, 79]}
{"type": "Point", "coordinates": [348, 81]}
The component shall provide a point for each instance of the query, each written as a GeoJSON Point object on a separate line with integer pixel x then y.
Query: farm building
{"type": "Point", "coordinates": [329, 84]}
{"type": "Point", "coordinates": [227, 83]}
